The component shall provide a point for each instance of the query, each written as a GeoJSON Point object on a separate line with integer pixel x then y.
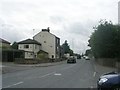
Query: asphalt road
{"type": "Point", "coordinates": [79, 75]}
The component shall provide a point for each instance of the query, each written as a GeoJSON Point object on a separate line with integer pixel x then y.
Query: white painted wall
{"type": "Point", "coordinates": [29, 51]}
{"type": "Point", "coordinates": [48, 42]}
{"type": "Point", "coordinates": [29, 55]}
{"type": "Point", "coordinates": [32, 47]}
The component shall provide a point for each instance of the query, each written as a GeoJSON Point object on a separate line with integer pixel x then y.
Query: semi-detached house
{"type": "Point", "coordinates": [49, 43]}
{"type": "Point", "coordinates": [31, 48]}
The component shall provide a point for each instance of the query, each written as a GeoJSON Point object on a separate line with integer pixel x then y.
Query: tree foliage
{"type": "Point", "coordinates": [105, 40]}
{"type": "Point", "coordinates": [14, 45]}
{"type": "Point", "coordinates": [66, 48]}
{"type": "Point", "coordinates": [87, 52]}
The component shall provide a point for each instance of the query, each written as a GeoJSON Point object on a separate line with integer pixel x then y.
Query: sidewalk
{"type": "Point", "coordinates": [11, 67]}
{"type": "Point", "coordinates": [100, 70]}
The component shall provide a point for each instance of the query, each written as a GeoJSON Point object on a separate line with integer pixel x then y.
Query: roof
{"type": "Point", "coordinates": [45, 30]}
{"type": "Point", "coordinates": [41, 51]}
{"type": "Point", "coordinates": [4, 41]}
{"type": "Point", "coordinates": [29, 41]}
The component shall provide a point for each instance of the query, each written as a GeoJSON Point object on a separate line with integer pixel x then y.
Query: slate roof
{"type": "Point", "coordinates": [29, 41]}
{"type": "Point", "coordinates": [4, 41]}
{"type": "Point", "coordinates": [42, 51]}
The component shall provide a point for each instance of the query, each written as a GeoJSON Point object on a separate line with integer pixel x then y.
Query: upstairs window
{"type": "Point", "coordinates": [26, 46]}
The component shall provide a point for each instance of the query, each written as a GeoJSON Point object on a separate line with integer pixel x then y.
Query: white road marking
{"type": "Point", "coordinates": [13, 84]}
{"type": "Point", "coordinates": [47, 75]}
{"type": "Point", "coordinates": [94, 74]}
{"type": "Point", "coordinates": [58, 74]}
{"type": "Point", "coordinates": [91, 87]}
{"type": "Point", "coordinates": [55, 72]}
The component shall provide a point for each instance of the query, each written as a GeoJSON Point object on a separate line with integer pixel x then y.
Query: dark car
{"type": "Point", "coordinates": [71, 60]}
{"type": "Point", "coordinates": [109, 81]}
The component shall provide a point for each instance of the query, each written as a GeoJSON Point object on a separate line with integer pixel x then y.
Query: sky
{"type": "Point", "coordinates": [71, 20]}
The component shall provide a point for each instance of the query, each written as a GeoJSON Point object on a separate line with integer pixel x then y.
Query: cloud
{"type": "Point", "coordinates": [12, 33]}
{"type": "Point", "coordinates": [70, 20]}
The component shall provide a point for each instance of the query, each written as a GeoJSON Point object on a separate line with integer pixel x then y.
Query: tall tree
{"type": "Point", "coordinates": [66, 47]}
{"type": "Point", "coordinates": [105, 40]}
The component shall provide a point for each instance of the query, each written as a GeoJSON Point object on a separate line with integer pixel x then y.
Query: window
{"type": "Point", "coordinates": [35, 46]}
{"type": "Point", "coordinates": [26, 46]}
{"type": "Point", "coordinates": [57, 41]}
{"type": "Point", "coordinates": [52, 56]}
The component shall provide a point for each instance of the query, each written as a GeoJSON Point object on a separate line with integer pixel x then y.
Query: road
{"type": "Point", "coordinates": [79, 75]}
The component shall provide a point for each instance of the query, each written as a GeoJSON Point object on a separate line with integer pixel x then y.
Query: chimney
{"type": "Point", "coordinates": [46, 30]}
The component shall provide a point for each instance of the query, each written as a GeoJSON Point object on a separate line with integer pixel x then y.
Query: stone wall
{"type": "Point", "coordinates": [35, 61]}
{"type": "Point", "coordinates": [117, 66]}
{"type": "Point", "coordinates": [107, 62]}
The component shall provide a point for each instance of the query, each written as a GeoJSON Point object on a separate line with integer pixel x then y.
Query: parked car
{"type": "Point", "coordinates": [71, 60]}
{"type": "Point", "coordinates": [109, 81]}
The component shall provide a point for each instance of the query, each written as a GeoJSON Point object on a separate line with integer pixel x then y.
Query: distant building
{"type": "Point", "coordinates": [31, 48]}
{"type": "Point", "coordinates": [4, 43]}
{"type": "Point", "coordinates": [119, 12]}
{"type": "Point", "coordinates": [50, 43]}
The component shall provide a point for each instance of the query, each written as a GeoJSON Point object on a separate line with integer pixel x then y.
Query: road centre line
{"type": "Point", "coordinates": [55, 72]}
{"type": "Point", "coordinates": [46, 75]}
{"type": "Point", "coordinates": [13, 84]}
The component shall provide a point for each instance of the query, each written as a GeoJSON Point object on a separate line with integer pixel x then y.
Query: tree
{"type": "Point", "coordinates": [71, 52]}
{"type": "Point", "coordinates": [105, 40]}
{"type": "Point", "coordinates": [66, 47]}
{"type": "Point", "coordinates": [87, 52]}
{"type": "Point", "coordinates": [15, 45]}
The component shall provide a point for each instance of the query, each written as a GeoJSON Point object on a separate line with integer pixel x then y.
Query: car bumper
{"type": "Point", "coordinates": [104, 86]}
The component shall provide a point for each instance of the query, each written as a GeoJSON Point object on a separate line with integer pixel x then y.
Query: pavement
{"type": "Point", "coordinates": [100, 70]}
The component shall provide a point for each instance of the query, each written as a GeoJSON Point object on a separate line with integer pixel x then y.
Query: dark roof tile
{"type": "Point", "coordinates": [29, 41]}
{"type": "Point", "coordinates": [4, 41]}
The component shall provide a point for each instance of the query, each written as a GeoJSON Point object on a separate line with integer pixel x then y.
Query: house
{"type": "Point", "coordinates": [50, 43]}
{"type": "Point", "coordinates": [7, 53]}
{"type": "Point", "coordinates": [31, 48]}
{"type": "Point", "coordinates": [4, 43]}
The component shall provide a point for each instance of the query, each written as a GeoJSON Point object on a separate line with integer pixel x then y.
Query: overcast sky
{"type": "Point", "coordinates": [71, 20]}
